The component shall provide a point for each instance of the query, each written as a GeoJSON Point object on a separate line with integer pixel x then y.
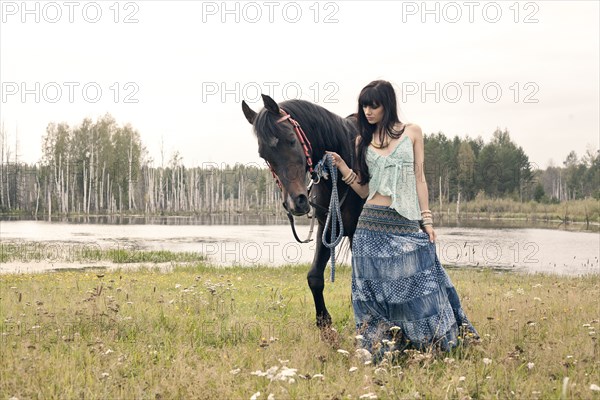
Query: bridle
{"type": "Point", "coordinates": [307, 148]}
{"type": "Point", "coordinates": [315, 175]}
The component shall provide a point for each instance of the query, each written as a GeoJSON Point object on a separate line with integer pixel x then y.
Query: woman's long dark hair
{"type": "Point", "coordinates": [375, 94]}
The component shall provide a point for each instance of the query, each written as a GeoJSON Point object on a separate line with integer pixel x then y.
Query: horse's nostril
{"type": "Point", "coordinates": [301, 200]}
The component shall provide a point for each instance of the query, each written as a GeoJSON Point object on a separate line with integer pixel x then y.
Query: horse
{"type": "Point", "coordinates": [290, 135]}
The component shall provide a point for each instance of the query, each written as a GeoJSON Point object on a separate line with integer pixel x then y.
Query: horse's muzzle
{"type": "Point", "coordinates": [298, 205]}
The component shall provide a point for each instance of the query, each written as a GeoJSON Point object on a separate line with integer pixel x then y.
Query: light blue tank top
{"type": "Point", "coordinates": [394, 175]}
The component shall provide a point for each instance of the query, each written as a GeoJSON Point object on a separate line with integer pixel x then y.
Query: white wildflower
{"type": "Point", "coordinates": [520, 291]}
{"type": "Point", "coordinates": [271, 396]}
{"type": "Point", "coordinates": [462, 379]}
{"type": "Point", "coordinates": [594, 387]}
{"type": "Point", "coordinates": [235, 371]}
{"type": "Point", "coordinates": [363, 355]}
{"type": "Point", "coordinates": [177, 286]}
{"type": "Point", "coordinates": [487, 361]}
{"type": "Point", "coordinates": [530, 365]}
{"type": "Point", "coordinates": [107, 352]}
{"type": "Point", "coordinates": [255, 396]}
{"type": "Point", "coordinates": [352, 369]}
{"type": "Point", "coordinates": [370, 396]}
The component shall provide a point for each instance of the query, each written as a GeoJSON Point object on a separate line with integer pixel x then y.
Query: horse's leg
{"type": "Point", "coordinates": [316, 280]}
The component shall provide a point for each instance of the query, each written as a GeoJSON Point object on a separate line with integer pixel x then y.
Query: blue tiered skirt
{"type": "Point", "coordinates": [398, 281]}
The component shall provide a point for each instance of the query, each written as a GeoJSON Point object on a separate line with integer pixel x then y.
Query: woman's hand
{"type": "Point", "coordinates": [431, 232]}
{"type": "Point", "coordinates": [339, 162]}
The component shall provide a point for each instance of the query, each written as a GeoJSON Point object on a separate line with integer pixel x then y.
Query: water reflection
{"type": "Point", "coordinates": [281, 219]}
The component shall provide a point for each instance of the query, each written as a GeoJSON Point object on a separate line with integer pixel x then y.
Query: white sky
{"type": "Point", "coordinates": [179, 56]}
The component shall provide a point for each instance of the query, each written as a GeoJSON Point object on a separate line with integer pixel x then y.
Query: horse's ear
{"type": "Point", "coordinates": [248, 112]}
{"type": "Point", "coordinates": [270, 104]}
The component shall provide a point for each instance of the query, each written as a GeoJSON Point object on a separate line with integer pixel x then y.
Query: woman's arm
{"type": "Point", "coordinates": [422, 192]}
{"type": "Point", "coordinates": [419, 153]}
{"type": "Point", "coordinates": [361, 190]}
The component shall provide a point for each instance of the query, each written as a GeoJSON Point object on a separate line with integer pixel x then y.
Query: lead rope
{"type": "Point", "coordinates": [334, 216]}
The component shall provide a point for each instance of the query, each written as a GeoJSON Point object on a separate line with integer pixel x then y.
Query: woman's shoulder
{"type": "Point", "coordinates": [412, 130]}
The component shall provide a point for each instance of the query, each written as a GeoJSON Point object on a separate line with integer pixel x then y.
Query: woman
{"type": "Point", "coordinates": [400, 292]}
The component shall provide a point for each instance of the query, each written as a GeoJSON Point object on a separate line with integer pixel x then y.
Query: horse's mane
{"type": "Point", "coordinates": [324, 129]}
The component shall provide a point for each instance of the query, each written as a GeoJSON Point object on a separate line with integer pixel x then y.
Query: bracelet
{"type": "Point", "coordinates": [350, 178]}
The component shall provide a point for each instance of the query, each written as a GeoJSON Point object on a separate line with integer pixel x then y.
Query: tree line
{"type": "Point", "coordinates": [101, 167]}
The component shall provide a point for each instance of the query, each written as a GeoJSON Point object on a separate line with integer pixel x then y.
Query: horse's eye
{"type": "Point", "coordinates": [292, 142]}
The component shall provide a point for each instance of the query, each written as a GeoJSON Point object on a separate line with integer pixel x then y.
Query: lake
{"type": "Point", "coordinates": [237, 240]}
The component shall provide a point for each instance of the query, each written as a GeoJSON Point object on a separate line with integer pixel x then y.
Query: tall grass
{"type": "Point", "coordinates": [586, 210]}
{"type": "Point", "coordinates": [229, 333]}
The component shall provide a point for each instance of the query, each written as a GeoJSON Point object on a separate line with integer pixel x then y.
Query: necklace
{"type": "Point", "coordinates": [382, 145]}
{"type": "Point", "coordinates": [377, 146]}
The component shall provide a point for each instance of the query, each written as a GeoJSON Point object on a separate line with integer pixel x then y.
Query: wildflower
{"type": "Point", "coordinates": [104, 375]}
{"type": "Point", "coordinates": [177, 286]}
{"type": "Point", "coordinates": [271, 397]}
{"type": "Point", "coordinates": [359, 337]}
{"type": "Point", "coordinates": [352, 369]}
{"type": "Point", "coordinates": [530, 365]}
{"type": "Point", "coordinates": [520, 291]}
{"type": "Point", "coordinates": [342, 351]}
{"type": "Point", "coordinates": [108, 352]}
{"type": "Point", "coordinates": [594, 387]}
{"type": "Point", "coordinates": [487, 361]}
{"type": "Point", "coordinates": [255, 396]}
{"type": "Point", "coordinates": [235, 371]}
{"type": "Point", "coordinates": [368, 396]}
{"type": "Point", "coordinates": [462, 379]}
{"type": "Point", "coordinates": [363, 355]}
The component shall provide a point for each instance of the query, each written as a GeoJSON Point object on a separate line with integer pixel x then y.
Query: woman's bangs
{"type": "Point", "coordinates": [369, 98]}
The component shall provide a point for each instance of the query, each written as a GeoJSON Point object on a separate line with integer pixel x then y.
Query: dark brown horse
{"type": "Point", "coordinates": [280, 144]}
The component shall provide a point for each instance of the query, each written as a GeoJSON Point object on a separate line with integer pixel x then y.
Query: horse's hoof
{"type": "Point", "coordinates": [324, 322]}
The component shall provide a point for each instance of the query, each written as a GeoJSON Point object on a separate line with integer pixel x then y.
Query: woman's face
{"type": "Point", "coordinates": [374, 114]}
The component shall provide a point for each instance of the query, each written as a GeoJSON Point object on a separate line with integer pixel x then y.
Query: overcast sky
{"type": "Point", "coordinates": [177, 71]}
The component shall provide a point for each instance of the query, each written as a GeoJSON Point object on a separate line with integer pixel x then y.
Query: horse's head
{"type": "Point", "coordinates": [279, 145]}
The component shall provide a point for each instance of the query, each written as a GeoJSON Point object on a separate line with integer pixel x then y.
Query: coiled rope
{"type": "Point", "coordinates": [334, 216]}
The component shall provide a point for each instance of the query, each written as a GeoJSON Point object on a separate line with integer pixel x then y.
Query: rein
{"type": "Point", "coordinates": [334, 217]}
{"type": "Point", "coordinates": [334, 214]}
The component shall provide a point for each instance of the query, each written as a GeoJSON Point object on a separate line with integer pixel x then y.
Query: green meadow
{"type": "Point", "coordinates": [204, 332]}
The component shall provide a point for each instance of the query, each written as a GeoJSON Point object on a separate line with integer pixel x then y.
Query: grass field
{"type": "Point", "coordinates": [202, 332]}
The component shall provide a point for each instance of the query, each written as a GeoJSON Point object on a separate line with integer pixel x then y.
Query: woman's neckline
{"type": "Point", "coordinates": [391, 152]}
